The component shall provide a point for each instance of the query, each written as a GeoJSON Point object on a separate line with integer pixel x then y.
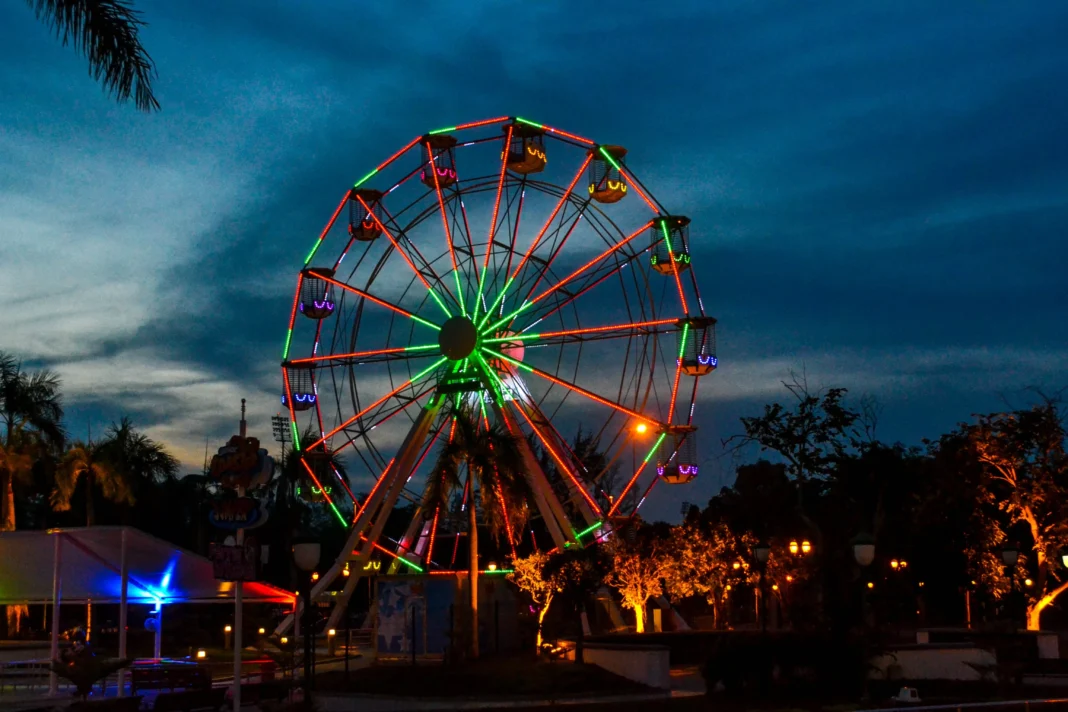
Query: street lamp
{"type": "Point", "coordinates": [793, 547]}
{"type": "Point", "coordinates": [806, 547]}
{"type": "Point", "coordinates": [1010, 555]}
{"type": "Point", "coordinates": [761, 552]}
{"type": "Point", "coordinates": [306, 556]}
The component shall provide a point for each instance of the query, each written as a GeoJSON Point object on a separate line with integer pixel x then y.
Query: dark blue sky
{"type": "Point", "coordinates": [878, 189]}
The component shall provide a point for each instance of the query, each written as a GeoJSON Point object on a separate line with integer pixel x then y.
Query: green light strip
{"type": "Point", "coordinates": [685, 330]}
{"type": "Point", "coordinates": [667, 240]}
{"type": "Point", "coordinates": [367, 177]}
{"type": "Point", "coordinates": [496, 302]}
{"type": "Point", "coordinates": [498, 394]}
{"type": "Point", "coordinates": [441, 304]}
{"type": "Point", "coordinates": [441, 131]}
{"type": "Point", "coordinates": [428, 369]}
{"type": "Point", "coordinates": [609, 158]}
{"type": "Point", "coordinates": [459, 292]}
{"type": "Point", "coordinates": [423, 321]}
{"type": "Point", "coordinates": [529, 123]}
{"type": "Point", "coordinates": [515, 337]}
{"type": "Point", "coordinates": [313, 251]}
{"type": "Point", "coordinates": [481, 286]}
{"type": "Point", "coordinates": [296, 436]}
{"type": "Point", "coordinates": [655, 446]}
{"type": "Point", "coordinates": [340, 518]}
{"type": "Point", "coordinates": [589, 529]}
{"type": "Point", "coordinates": [421, 348]}
{"type": "Point", "coordinates": [409, 563]}
{"type": "Point", "coordinates": [498, 354]}
{"type": "Point", "coordinates": [285, 351]}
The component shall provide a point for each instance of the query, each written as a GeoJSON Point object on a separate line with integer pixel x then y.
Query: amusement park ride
{"type": "Point", "coordinates": [495, 269]}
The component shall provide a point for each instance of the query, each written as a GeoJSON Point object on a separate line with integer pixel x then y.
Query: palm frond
{"type": "Point", "coordinates": [107, 32]}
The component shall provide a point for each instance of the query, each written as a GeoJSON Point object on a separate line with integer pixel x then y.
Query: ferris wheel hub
{"type": "Point", "coordinates": [458, 338]}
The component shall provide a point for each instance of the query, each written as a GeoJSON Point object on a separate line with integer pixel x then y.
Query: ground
{"type": "Point", "coordinates": [512, 678]}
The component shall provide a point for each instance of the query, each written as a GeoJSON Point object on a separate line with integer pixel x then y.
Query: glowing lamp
{"type": "Point", "coordinates": [728, 587]}
{"type": "Point", "coordinates": [201, 654]}
{"type": "Point", "coordinates": [228, 629]}
{"type": "Point", "coordinates": [1064, 560]}
{"type": "Point", "coordinates": [806, 547]}
{"type": "Point", "coordinates": [491, 566]}
{"type": "Point", "coordinates": [345, 571]}
{"type": "Point", "coordinates": [761, 552]}
{"type": "Point", "coordinates": [1028, 582]}
{"type": "Point", "coordinates": [893, 563]}
{"type": "Point", "coordinates": [864, 549]}
{"type": "Point", "coordinates": [871, 585]}
{"type": "Point", "coordinates": [306, 555]}
{"type": "Point", "coordinates": [921, 584]}
{"type": "Point", "coordinates": [736, 565]}
{"type": "Point", "coordinates": [640, 428]}
{"type": "Point", "coordinates": [262, 631]}
{"type": "Point", "coordinates": [283, 640]}
{"type": "Point", "coordinates": [315, 576]}
{"type": "Point", "coordinates": [789, 578]}
{"type": "Point", "coordinates": [904, 564]}
{"type": "Point", "coordinates": [332, 632]}
{"type": "Point", "coordinates": [774, 587]}
{"type": "Point", "coordinates": [793, 547]}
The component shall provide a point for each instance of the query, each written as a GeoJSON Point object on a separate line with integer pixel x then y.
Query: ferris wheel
{"type": "Point", "coordinates": [518, 273]}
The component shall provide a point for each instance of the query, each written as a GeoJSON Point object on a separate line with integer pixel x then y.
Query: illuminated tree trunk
{"type": "Point", "coordinates": [472, 576]}
{"type": "Point", "coordinates": [7, 506]}
{"type": "Point", "coordinates": [639, 617]}
{"type": "Point", "coordinates": [541, 618]}
{"type": "Point", "coordinates": [1034, 610]}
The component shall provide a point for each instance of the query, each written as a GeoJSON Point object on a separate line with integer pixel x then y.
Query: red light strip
{"type": "Point", "coordinates": [634, 184]}
{"type": "Point", "coordinates": [289, 403]}
{"type": "Point", "coordinates": [433, 535]}
{"type": "Point", "coordinates": [596, 329]}
{"type": "Point", "coordinates": [386, 419]}
{"type": "Point", "coordinates": [500, 497]}
{"type": "Point", "coordinates": [463, 503]}
{"type": "Point", "coordinates": [563, 466]}
{"type": "Point", "coordinates": [396, 246]}
{"type": "Point", "coordinates": [626, 490]}
{"type": "Point", "coordinates": [550, 129]}
{"type": "Point", "coordinates": [363, 412]}
{"type": "Point", "coordinates": [497, 203]}
{"type": "Point", "coordinates": [552, 257]}
{"type": "Point", "coordinates": [573, 387]}
{"type": "Point", "coordinates": [445, 220]}
{"type": "Point", "coordinates": [675, 269]}
{"type": "Point", "coordinates": [379, 481]}
{"type": "Point", "coordinates": [296, 302]}
{"type": "Point", "coordinates": [354, 354]}
{"type": "Point", "coordinates": [399, 153]}
{"type": "Point", "coordinates": [589, 264]}
{"type": "Point", "coordinates": [376, 300]}
{"type": "Point", "coordinates": [475, 124]}
{"type": "Point", "coordinates": [674, 392]}
{"type": "Point", "coordinates": [556, 210]}
{"type": "Point", "coordinates": [317, 483]}
{"type": "Point", "coordinates": [322, 235]}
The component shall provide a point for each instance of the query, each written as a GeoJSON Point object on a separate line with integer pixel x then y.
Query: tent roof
{"type": "Point", "coordinates": [90, 565]}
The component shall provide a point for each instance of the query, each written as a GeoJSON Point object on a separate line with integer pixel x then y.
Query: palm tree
{"type": "Point", "coordinates": [495, 468]}
{"type": "Point", "coordinates": [89, 461]}
{"type": "Point", "coordinates": [107, 33]}
{"type": "Point", "coordinates": [31, 409]}
{"type": "Point", "coordinates": [137, 456]}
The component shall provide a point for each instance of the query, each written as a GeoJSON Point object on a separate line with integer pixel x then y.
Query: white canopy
{"type": "Point", "coordinates": [90, 566]}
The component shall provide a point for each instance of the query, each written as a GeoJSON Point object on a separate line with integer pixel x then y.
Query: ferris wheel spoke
{"type": "Point", "coordinates": [570, 278]}
{"type": "Point", "coordinates": [330, 224]}
{"type": "Point", "coordinates": [634, 478]}
{"type": "Point", "coordinates": [448, 232]}
{"type": "Point", "coordinates": [358, 358]}
{"type": "Point", "coordinates": [558, 247]}
{"type": "Point", "coordinates": [572, 387]}
{"type": "Point", "coordinates": [382, 415]}
{"type": "Point", "coordinates": [378, 402]}
{"type": "Point", "coordinates": [396, 246]}
{"type": "Point", "coordinates": [381, 302]}
{"type": "Point", "coordinates": [493, 221]}
{"type": "Point", "coordinates": [548, 223]}
{"type": "Point", "coordinates": [626, 330]}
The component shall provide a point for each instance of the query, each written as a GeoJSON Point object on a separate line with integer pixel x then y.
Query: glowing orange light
{"type": "Point", "coordinates": [315, 576]}
{"type": "Point", "coordinates": [894, 564]}
{"type": "Point", "coordinates": [774, 587]}
{"type": "Point", "coordinates": [641, 428]}
{"type": "Point", "coordinates": [871, 585]}
{"type": "Point", "coordinates": [793, 547]}
{"type": "Point", "coordinates": [789, 579]}
{"type": "Point", "coordinates": [736, 565]}
{"type": "Point", "coordinates": [805, 547]}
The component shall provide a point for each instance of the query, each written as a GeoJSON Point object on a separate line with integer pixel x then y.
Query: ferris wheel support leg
{"type": "Point", "coordinates": [547, 436]}
{"type": "Point", "coordinates": [552, 512]}
{"type": "Point", "coordinates": [386, 496]}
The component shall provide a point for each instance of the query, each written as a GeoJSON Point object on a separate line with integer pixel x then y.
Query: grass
{"type": "Point", "coordinates": [509, 678]}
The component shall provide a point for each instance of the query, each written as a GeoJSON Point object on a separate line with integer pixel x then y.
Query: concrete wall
{"type": "Point", "coordinates": [931, 663]}
{"type": "Point", "coordinates": [647, 664]}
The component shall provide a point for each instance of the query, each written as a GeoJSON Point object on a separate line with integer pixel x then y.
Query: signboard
{"type": "Point", "coordinates": [241, 462]}
{"type": "Point", "coordinates": [237, 513]}
{"type": "Point", "coordinates": [237, 562]}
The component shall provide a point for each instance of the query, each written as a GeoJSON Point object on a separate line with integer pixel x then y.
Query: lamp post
{"type": "Point", "coordinates": [1010, 555]}
{"type": "Point", "coordinates": [306, 557]}
{"type": "Point", "coordinates": [761, 552]}
{"type": "Point", "coordinates": [864, 555]}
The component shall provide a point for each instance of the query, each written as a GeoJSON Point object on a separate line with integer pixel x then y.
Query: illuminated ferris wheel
{"type": "Point", "coordinates": [520, 274]}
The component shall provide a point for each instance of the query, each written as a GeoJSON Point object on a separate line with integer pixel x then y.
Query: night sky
{"type": "Point", "coordinates": [879, 190]}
